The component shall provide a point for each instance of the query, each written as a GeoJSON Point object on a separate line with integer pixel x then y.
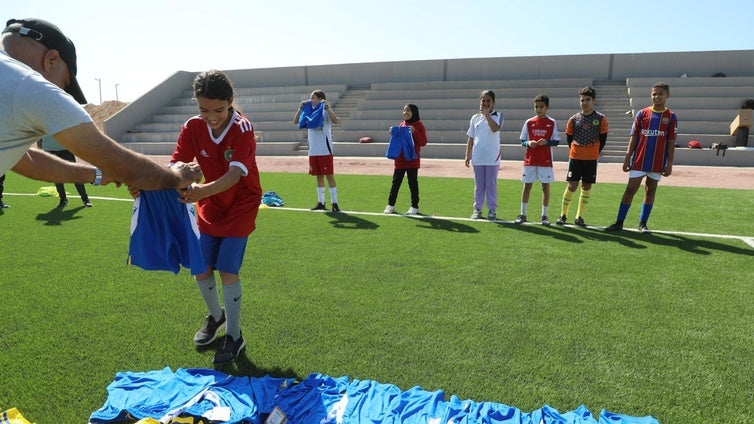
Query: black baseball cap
{"type": "Point", "coordinates": [53, 38]}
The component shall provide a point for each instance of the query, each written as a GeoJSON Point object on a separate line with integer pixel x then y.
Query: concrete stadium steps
{"type": "Point", "coordinates": [470, 93]}
{"type": "Point", "coordinates": [470, 105]}
{"type": "Point", "coordinates": [692, 81]}
{"type": "Point", "coordinates": [263, 149]}
{"type": "Point", "coordinates": [729, 104]}
{"type": "Point", "coordinates": [437, 151]}
{"type": "Point", "coordinates": [613, 102]}
{"type": "Point", "coordinates": [271, 109]}
{"type": "Point", "coordinates": [543, 83]}
{"type": "Point", "coordinates": [347, 104]}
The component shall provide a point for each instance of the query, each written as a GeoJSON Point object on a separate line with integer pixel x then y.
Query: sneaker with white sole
{"type": "Point", "coordinates": [229, 350]}
{"type": "Point", "coordinates": [616, 226]}
{"type": "Point", "coordinates": [389, 209]}
{"type": "Point", "coordinates": [520, 219]}
{"type": "Point", "coordinates": [477, 214]}
{"type": "Point", "coordinates": [643, 228]}
{"type": "Point", "coordinates": [492, 216]}
{"type": "Point", "coordinates": [561, 220]}
{"type": "Point", "coordinates": [545, 220]}
{"type": "Point", "coordinates": [412, 211]}
{"type": "Point", "coordinates": [209, 331]}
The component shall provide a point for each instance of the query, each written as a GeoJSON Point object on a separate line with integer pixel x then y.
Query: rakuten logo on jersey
{"type": "Point", "coordinates": [653, 133]}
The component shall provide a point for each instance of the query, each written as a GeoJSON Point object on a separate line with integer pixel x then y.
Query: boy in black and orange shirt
{"type": "Point", "coordinates": [586, 133]}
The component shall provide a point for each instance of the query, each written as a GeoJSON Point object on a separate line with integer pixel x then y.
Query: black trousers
{"type": "Point", "coordinates": [413, 185]}
{"type": "Point", "coordinates": [66, 155]}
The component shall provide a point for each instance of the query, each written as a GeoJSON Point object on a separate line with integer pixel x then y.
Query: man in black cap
{"type": "Point", "coordinates": [37, 63]}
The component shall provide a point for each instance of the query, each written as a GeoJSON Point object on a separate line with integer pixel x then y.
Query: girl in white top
{"type": "Point", "coordinates": [483, 152]}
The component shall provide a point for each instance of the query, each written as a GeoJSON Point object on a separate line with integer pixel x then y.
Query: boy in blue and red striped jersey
{"type": "Point", "coordinates": [650, 153]}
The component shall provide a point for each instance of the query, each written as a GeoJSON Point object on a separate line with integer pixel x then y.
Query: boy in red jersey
{"type": "Point", "coordinates": [650, 154]}
{"type": "Point", "coordinates": [587, 133]}
{"type": "Point", "coordinates": [538, 135]}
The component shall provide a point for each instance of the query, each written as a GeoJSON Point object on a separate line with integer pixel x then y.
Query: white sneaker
{"type": "Point", "coordinates": [412, 211]}
{"type": "Point", "coordinates": [389, 209]}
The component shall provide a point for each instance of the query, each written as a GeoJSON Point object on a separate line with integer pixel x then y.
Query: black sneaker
{"type": "Point", "coordinates": [580, 222]}
{"type": "Point", "coordinates": [319, 207]}
{"type": "Point", "coordinates": [63, 203]}
{"type": "Point", "coordinates": [208, 333]}
{"type": "Point", "coordinates": [643, 228]}
{"type": "Point", "coordinates": [520, 219]}
{"type": "Point", "coordinates": [87, 204]}
{"type": "Point", "coordinates": [3, 205]}
{"type": "Point", "coordinates": [335, 207]}
{"type": "Point", "coordinates": [561, 220]}
{"type": "Point", "coordinates": [229, 350]}
{"type": "Point", "coordinates": [617, 226]}
{"type": "Point", "coordinates": [545, 220]}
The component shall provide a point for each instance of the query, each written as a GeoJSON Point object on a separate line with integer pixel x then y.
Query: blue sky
{"type": "Point", "coordinates": [139, 43]}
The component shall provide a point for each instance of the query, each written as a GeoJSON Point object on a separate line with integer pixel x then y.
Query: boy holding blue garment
{"type": "Point", "coordinates": [317, 117]}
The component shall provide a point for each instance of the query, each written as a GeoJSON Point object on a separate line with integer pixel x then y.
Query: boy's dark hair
{"type": "Point", "coordinates": [214, 85]}
{"type": "Point", "coordinates": [543, 98]}
{"type": "Point", "coordinates": [414, 113]}
{"type": "Point", "coordinates": [489, 93]}
{"type": "Point", "coordinates": [588, 92]}
{"type": "Point", "coordinates": [662, 85]}
{"type": "Point", "coordinates": [320, 94]}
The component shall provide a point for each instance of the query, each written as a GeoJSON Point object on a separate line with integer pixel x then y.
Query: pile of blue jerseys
{"type": "Point", "coordinates": [217, 397]}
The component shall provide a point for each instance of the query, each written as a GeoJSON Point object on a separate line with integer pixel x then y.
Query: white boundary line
{"type": "Point", "coordinates": [746, 239]}
{"type": "Point", "coordinates": [749, 240]}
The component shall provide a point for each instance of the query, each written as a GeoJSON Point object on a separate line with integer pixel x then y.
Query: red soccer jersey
{"type": "Point", "coordinates": [537, 128]}
{"type": "Point", "coordinates": [233, 212]}
{"type": "Point", "coordinates": [653, 130]}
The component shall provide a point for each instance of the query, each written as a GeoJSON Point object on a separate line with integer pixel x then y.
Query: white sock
{"type": "Point", "coordinates": [321, 195]}
{"type": "Point", "coordinates": [208, 290]}
{"type": "Point", "coordinates": [524, 207]}
{"type": "Point", "coordinates": [232, 299]}
{"type": "Point", "coordinates": [545, 209]}
{"type": "Point", "coordinates": [334, 194]}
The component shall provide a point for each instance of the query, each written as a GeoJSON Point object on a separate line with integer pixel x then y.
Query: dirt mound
{"type": "Point", "coordinates": [101, 112]}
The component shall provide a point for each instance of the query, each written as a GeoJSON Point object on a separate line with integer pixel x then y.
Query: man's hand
{"type": "Point", "coordinates": [188, 172]}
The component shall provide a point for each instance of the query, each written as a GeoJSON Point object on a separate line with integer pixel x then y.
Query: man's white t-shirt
{"type": "Point", "coordinates": [30, 107]}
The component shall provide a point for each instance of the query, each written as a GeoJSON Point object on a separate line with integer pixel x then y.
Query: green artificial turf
{"type": "Point", "coordinates": [640, 324]}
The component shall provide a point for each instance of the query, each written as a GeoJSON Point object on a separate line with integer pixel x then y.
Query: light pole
{"type": "Point", "coordinates": [116, 91]}
{"type": "Point", "coordinates": [100, 90]}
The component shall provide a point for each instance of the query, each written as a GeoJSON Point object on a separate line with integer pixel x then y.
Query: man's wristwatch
{"type": "Point", "coordinates": [98, 177]}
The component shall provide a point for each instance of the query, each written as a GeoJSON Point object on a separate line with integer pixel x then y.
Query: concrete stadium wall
{"type": "Point", "coordinates": [616, 67]}
{"type": "Point", "coordinates": [732, 63]}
